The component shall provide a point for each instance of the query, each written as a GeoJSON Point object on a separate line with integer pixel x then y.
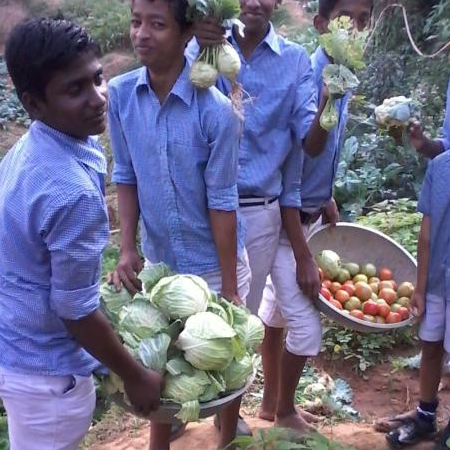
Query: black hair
{"type": "Point", "coordinates": [179, 9]}
{"type": "Point", "coordinates": [36, 48]}
{"type": "Point", "coordinates": [327, 6]}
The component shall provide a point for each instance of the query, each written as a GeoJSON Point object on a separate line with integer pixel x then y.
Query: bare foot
{"type": "Point", "coordinates": [295, 422]}
{"type": "Point", "coordinates": [266, 414]}
{"type": "Point", "coordinates": [386, 424]}
{"type": "Point", "coordinates": [305, 415]}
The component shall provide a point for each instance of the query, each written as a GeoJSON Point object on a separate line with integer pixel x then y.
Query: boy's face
{"type": "Point", "coordinates": [255, 14]}
{"type": "Point", "coordinates": [359, 12]}
{"type": "Point", "coordinates": [156, 35]}
{"type": "Point", "coordinates": [75, 99]}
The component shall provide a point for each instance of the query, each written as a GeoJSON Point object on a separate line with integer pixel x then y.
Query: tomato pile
{"type": "Point", "coordinates": [363, 291]}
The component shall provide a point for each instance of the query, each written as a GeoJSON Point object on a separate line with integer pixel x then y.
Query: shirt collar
{"type": "Point", "coordinates": [182, 88]}
{"type": "Point", "coordinates": [271, 39]}
{"type": "Point", "coordinates": [87, 152]}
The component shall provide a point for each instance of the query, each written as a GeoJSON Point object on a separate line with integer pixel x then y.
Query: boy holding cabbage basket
{"type": "Point", "coordinates": [175, 164]}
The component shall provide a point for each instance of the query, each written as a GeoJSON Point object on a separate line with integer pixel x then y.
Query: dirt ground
{"type": "Point", "coordinates": [380, 393]}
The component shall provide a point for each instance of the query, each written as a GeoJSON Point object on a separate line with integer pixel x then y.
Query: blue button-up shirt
{"type": "Point", "coordinates": [280, 106]}
{"type": "Point", "coordinates": [434, 201]}
{"type": "Point", "coordinates": [182, 156]}
{"type": "Point", "coordinates": [319, 173]}
{"type": "Point", "coordinates": [53, 229]}
{"type": "Point", "coordinates": [446, 127]}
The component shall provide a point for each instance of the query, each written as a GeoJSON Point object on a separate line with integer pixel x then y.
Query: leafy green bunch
{"type": "Point", "coordinates": [345, 46]}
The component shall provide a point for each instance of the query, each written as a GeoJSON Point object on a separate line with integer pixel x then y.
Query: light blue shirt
{"type": "Point", "coordinates": [319, 173]}
{"type": "Point", "coordinates": [446, 127]}
{"type": "Point", "coordinates": [183, 157]}
{"type": "Point", "coordinates": [280, 105]}
{"type": "Point", "coordinates": [53, 229]}
{"type": "Point", "coordinates": [434, 201]}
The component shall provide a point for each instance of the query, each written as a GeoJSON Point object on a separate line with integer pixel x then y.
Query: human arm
{"type": "Point", "coordinates": [423, 255]}
{"type": "Point", "coordinates": [222, 195]}
{"type": "Point", "coordinates": [307, 270]}
{"type": "Point", "coordinates": [75, 234]}
{"type": "Point", "coordinates": [423, 245]}
{"type": "Point", "coordinates": [331, 212]}
{"type": "Point", "coordinates": [223, 227]}
{"type": "Point", "coordinates": [94, 333]}
{"type": "Point", "coordinates": [123, 174]}
{"type": "Point", "coordinates": [316, 138]}
{"type": "Point", "coordinates": [430, 148]}
{"type": "Point", "coordinates": [290, 203]}
{"type": "Point", "coordinates": [130, 263]}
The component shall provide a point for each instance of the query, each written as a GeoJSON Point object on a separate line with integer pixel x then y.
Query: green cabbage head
{"type": "Point", "coordinates": [181, 296]}
{"type": "Point", "coordinates": [208, 342]}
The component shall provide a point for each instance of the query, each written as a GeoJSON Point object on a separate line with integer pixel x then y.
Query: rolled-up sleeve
{"type": "Point", "coordinates": [222, 168]}
{"type": "Point", "coordinates": [123, 171]}
{"type": "Point", "coordinates": [76, 235]}
{"type": "Point", "coordinates": [446, 127]}
{"type": "Point", "coordinates": [291, 194]}
{"type": "Point", "coordinates": [305, 104]}
{"type": "Point", "coordinates": [424, 203]}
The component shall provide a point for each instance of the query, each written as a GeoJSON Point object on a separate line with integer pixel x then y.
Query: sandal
{"type": "Point", "coordinates": [444, 439]}
{"type": "Point", "coordinates": [412, 431]}
{"type": "Point", "coordinates": [386, 424]}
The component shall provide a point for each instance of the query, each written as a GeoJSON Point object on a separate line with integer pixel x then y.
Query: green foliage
{"type": "Point", "coordinates": [4, 441]}
{"type": "Point", "coordinates": [108, 21]}
{"type": "Point", "coordinates": [308, 37]}
{"type": "Point", "coordinates": [285, 439]}
{"type": "Point", "coordinates": [364, 349]}
{"type": "Point", "coordinates": [398, 219]}
{"type": "Point", "coordinates": [10, 107]}
{"type": "Point", "coordinates": [372, 169]}
{"type": "Point", "coordinates": [110, 259]}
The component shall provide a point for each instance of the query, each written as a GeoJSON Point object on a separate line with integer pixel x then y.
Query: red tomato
{"type": "Point", "coordinates": [326, 284]}
{"type": "Point", "coordinates": [385, 274]}
{"type": "Point", "coordinates": [404, 312]}
{"type": "Point", "coordinates": [357, 313]}
{"type": "Point", "coordinates": [370, 308]}
{"type": "Point", "coordinates": [336, 304]}
{"type": "Point", "coordinates": [388, 294]}
{"type": "Point", "coordinates": [326, 293]}
{"type": "Point", "coordinates": [383, 310]}
{"type": "Point", "coordinates": [335, 286]}
{"type": "Point", "coordinates": [350, 282]}
{"type": "Point", "coordinates": [341, 296]}
{"type": "Point", "coordinates": [393, 317]}
{"type": "Point", "coordinates": [350, 288]}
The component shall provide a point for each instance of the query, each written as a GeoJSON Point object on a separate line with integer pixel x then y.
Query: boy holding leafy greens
{"type": "Point", "coordinates": [175, 164]}
{"type": "Point", "coordinates": [288, 302]}
{"type": "Point", "coordinates": [280, 120]}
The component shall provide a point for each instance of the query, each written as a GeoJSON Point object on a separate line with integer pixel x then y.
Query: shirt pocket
{"type": "Point", "coordinates": [187, 158]}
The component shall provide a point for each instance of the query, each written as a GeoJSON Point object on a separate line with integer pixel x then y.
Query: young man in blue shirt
{"type": "Point", "coordinates": [175, 164]}
{"type": "Point", "coordinates": [53, 229]}
{"type": "Point", "coordinates": [288, 298]}
{"type": "Point", "coordinates": [280, 120]}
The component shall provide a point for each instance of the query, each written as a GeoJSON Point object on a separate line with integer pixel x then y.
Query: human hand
{"type": "Point", "coordinates": [129, 265]}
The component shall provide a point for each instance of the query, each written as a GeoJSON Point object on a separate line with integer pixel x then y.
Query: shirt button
{"type": "Point", "coordinates": [247, 66]}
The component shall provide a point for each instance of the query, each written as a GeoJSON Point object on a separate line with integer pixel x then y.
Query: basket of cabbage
{"type": "Point", "coordinates": [204, 346]}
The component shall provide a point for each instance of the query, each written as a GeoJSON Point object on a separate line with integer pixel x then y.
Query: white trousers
{"type": "Point", "coordinates": [285, 306]}
{"type": "Point", "coordinates": [47, 412]}
{"type": "Point", "coordinates": [263, 225]}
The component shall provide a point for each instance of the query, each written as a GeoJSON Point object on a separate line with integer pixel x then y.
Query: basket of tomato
{"type": "Point", "coordinates": [367, 277]}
